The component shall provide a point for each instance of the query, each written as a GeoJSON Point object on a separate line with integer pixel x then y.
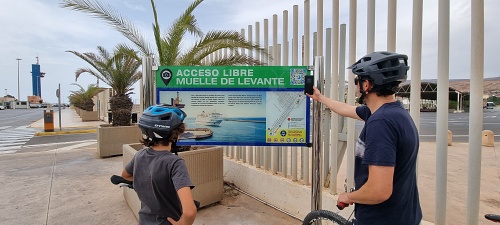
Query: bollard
{"type": "Point", "coordinates": [449, 138]}
{"type": "Point", "coordinates": [488, 138]}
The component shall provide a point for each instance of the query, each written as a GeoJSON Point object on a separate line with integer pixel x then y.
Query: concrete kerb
{"type": "Point", "coordinates": [71, 124]}
{"type": "Point", "coordinates": [84, 131]}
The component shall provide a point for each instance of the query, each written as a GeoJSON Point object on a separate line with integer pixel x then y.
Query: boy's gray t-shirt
{"type": "Point", "coordinates": [158, 175]}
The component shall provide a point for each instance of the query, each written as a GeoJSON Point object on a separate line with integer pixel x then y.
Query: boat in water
{"type": "Point", "coordinates": [209, 119]}
{"type": "Point", "coordinates": [197, 133]}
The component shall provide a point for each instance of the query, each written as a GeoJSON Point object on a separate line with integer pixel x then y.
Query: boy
{"type": "Point", "coordinates": [160, 177]}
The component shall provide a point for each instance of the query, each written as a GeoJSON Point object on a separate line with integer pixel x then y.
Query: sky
{"type": "Point", "coordinates": [31, 28]}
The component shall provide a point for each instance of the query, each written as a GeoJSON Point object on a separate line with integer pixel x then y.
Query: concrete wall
{"type": "Point", "coordinates": [291, 197]}
{"type": "Point", "coordinates": [101, 102]}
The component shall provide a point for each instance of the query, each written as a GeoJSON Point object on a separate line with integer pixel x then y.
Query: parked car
{"type": "Point", "coordinates": [490, 105]}
{"type": "Point", "coordinates": [2, 107]}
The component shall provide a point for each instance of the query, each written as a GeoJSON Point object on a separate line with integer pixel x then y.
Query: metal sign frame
{"type": "Point", "coordinates": [238, 105]}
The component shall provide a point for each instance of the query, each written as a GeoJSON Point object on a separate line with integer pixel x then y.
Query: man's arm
{"type": "Point", "coordinates": [188, 207]}
{"type": "Point", "coordinates": [377, 189]}
{"type": "Point", "coordinates": [340, 108]}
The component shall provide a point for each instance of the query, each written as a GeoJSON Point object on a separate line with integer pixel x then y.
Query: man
{"type": "Point", "coordinates": [386, 151]}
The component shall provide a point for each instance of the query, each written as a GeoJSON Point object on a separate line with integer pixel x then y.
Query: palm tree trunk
{"type": "Point", "coordinates": [121, 107]}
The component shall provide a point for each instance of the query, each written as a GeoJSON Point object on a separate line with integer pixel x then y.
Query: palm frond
{"type": "Point", "coordinates": [106, 13]}
{"type": "Point", "coordinates": [216, 40]}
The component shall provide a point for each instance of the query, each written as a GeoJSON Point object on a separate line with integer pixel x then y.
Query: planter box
{"type": "Point", "coordinates": [89, 115]}
{"type": "Point", "coordinates": [204, 167]}
{"type": "Point", "coordinates": [110, 140]}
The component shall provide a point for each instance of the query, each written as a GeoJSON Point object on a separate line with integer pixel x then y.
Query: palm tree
{"type": "Point", "coordinates": [169, 44]}
{"type": "Point", "coordinates": [119, 70]}
{"type": "Point", "coordinates": [83, 97]}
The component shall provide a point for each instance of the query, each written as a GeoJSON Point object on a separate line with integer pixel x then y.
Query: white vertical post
{"type": "Point", "coordinates": [370, 20]}
{"type": "Point", "coordinates": [442, 110]}
{"type": "Point", "coordinates": [305, 62]}
{"type": "Point", "coordinates": [267, 150]}
{"type": "Point", "coordinates": [391, 25]}
{"type": "Point", "coordinates": [295, 37]}
{"type": "Point", "coordinates": [295, 57]}
{"type": "Point", "coordinates": [249, 39]}
{"type": "Point", "coordinates": [285, 39]}
{"type": "Point", "coordinates": [334, 95]}
{"type": "Point", "coordinates": [275, 152]}
{"type": "Point", "coordinates": [320, 52]}
{"type": "Point", "coordinates": [258, 149]}
{"type": "Point", "coordinates": [350, 94]}
{"type": "Point", "coordinates": [242, 50]}
{"type": "Point", "coordinates": [476, 111]}
{"type": "Point", "coordinates": [416, 62]}
{"type": "Point", "coordinates": [257, 41]}
{"type": "Point", "coordinates": [266, 39]}
{"type": "Point", "coordinates": [416, 66]}
{"type": "Point", "coordinates": [327, 113]}
{"type": "Point", "coordinates": [250, 149]}
{"type": "Point", "coordinates": [275, 40]}
{"type": "Point", "coordinates": [148, 88]}
{"type": "Point", "coordinates": [307, 32]}
{"type": "Point", "coordinates": [284, 53]}
{"type": "Point", "coordinates": [317, 138]}
{"type": "Point", "coordinates": [319, 27]}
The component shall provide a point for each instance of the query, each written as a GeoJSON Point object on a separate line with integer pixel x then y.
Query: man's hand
{"type": "Point", "coordinates": [344, 198]}
{"type": "Point", "coordinates": [316, 94]}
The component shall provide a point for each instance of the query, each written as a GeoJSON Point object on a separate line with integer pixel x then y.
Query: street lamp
{"type": "Point", "coordinates": [18, 90]}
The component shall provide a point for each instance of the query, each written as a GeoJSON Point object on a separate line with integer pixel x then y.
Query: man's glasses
{"type": "Point", "coordinates": [357, 80]}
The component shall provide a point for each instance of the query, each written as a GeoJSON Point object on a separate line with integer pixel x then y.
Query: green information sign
{"type": "Point", "coordinates": [231, 76]}
{"type": "Point", "coordinates": [238, 105]}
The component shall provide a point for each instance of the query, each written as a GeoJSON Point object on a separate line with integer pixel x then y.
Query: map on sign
{"type": "Point", "coordinates": [238, 105]}
{"type": "Point", "coordinates": [285, 120]}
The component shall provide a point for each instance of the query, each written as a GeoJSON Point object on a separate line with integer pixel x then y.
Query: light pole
{"type": "Point", "coordinates": [18, 90]}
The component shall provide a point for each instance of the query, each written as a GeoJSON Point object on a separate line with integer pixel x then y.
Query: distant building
{"type": "Point", "coordinates": [7, 101]}
{"type": "Point", "coordinates": [34, 99]}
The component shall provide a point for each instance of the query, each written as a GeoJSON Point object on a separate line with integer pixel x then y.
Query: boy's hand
{"type": "Point", "coordinates": [173, 222]}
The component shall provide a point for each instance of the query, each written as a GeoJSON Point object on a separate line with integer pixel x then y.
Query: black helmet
{"type": "Point", "coordinates": [157, 122]}
{"type": "Point", "coordinates": [382, 68]}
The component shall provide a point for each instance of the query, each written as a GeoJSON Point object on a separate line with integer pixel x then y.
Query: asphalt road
{"type": "Point", "coordinates": [13, 119]}
{"type": "Point", "coordinates": [458, 124]}
{"type": "Point", "coordinates": [20, 117]}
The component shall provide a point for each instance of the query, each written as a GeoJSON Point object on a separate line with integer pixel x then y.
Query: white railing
{"type": "Point", "coordinates": [289, 163]}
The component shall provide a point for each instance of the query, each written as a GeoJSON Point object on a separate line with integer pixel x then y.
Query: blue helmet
{"type": "Point", "coordinates": [158, 122]}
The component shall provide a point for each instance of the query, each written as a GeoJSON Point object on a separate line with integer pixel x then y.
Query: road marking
{"type": "Point", "coordinates": [13, 138]}
{"type": "Point", "coordinates": [72, 147]}
{"type": "Point", "coordinates": [58, 143]}
{"type": "Point", "coordinates": [76, 146]}
{"type": "Point", "coordinates": [7, 152]}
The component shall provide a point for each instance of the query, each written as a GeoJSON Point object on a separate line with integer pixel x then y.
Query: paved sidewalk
{"type": "Point", "coordinates": [71, 186]}
{"type": "Point", "coordinates": [70, 123]}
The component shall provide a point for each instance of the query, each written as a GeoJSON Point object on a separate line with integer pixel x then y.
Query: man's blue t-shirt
{"type": "Point", "coordinates": [389, 138]}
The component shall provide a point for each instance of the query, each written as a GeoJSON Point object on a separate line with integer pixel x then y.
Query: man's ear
{"type": "Point", "coordinates": [367, 85]}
